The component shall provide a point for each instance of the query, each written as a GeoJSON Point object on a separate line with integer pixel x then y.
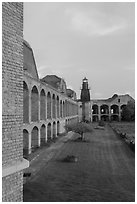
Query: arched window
{"type": "Point", "coordinates": [25, 103]}
{"type": "Point", "coordinates": [34, 138]}
{"type": "Point", "coordinates": [53, 106]}
{"type": "Point", "coordinates": [42, 105]}
{"type": "Point", "coordinates": [34, 104]}
{"type": "Point", "coordinates": [25, 142]}
{"type": "Point", "coordinates": [42, 135]}
{"type": "Point", "coordinates": [48, 105]}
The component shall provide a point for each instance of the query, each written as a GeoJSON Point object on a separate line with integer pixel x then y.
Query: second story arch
{"type": "Point", "coordinates": [114, 109]}
{"type": "Point", "coordinates": [95, 109]}
{"type": "Point", "coordinates": [53, 106]}
{"type": "Point", "coordinates": [104, 109]}
{"type": "Point", "coordinates": [48, 105]}
{"type": "Point", "coordinates": [34, 104]}
{"type": "Point", "coordinates": [42, 105]}
{"type": "Point", "coordinates": [25, 103]}
{"type": "Point", "coordinates": [57, 106]}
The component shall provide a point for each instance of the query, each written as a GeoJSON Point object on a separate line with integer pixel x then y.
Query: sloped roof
{"type": "Point", "coordinates": [29, 63]}
{"type": "Point", "coordinates": [52, 80]}
{"type": "Point", "coordinates": [27, 44]}
{"type": "Point", "coordinates": [112, 98]}
{"type": "Point", "coordinates": [70, 92]}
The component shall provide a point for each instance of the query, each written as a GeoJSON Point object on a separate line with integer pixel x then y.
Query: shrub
{"type": "Point", "coordinates": [128, 112]}
{"type": "Point", "coordinates": [101, 123]}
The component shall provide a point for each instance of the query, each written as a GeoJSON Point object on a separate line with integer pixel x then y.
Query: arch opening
{"type": "Point", "coordinates": [53, 106]}
{"type": "Point", "coordinates": [95, 118]}
{"type": "Point", "coordinates": [57, 107]}
{"type": "Point", "coordinates": [34, 138]}
{"type": "Point", "coordinates": [54, 129]}
{"type": "Point", "coordinates": [48, 105]}
{"type": "Point", "coordinates": [105, 118]}
{"type": "Point", "coordinates": [104, 109]}
{"type": "Point", "coordinates": [114, 109]}
{"type": "Point", "coordinates": [34, 104]}
{"type": "Point", "coordinates": [25, 103]}
{"type": "Point", "coordinates": [58, 128]}
{"type": "Point", "coordinates": [114, 118]}
{"type": "Point", "coordinates": [42, 105]}
{"type": "Point", "coordinates": [49, 132]}
{"type": "Point", "coordinates": [95, 109]}
{"type": "Point", "coordinates": [43, 135]}
{"type": "Point", "coordinates": [25, 143]}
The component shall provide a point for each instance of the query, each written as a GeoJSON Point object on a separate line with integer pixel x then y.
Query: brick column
{"type": "Point", "coordinates": [45, 133]}
{"type": "Point", "coordinates": [109, 113]}
{"type": "Point", "coordinates": [56, 131]}
{"type": "Point", "coordinates": [51, 109]}
{"type": "Point", "coordinates": [59, 108]}
{"type": "Point", "coordinates": [39, 137]}
{"type": "Point", "coordinates": [29, 146]}
{"type": "Point", "coordinates": [55, 108]}
{"type": "Point", "coordinates": [51, 130]}
{"type": "Point", "coordinates": [99, 115]}
{"type": "Point", "coordinates": [38, 106]}
{"type": "Point", "coordinates": [45, 107]}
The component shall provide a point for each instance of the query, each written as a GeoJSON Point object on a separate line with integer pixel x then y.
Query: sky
{"type": "Point", "coordinates": [77, 40]}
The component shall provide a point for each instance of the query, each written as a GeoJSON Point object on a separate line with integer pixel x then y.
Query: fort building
{"type": "Point", "coordinates": [46, 106]}
{"type": "Point", "coordinates": [13, 162]}
{"type": "Point", "coordinates": [101, 109]}
{"type": "Point", "coordinates": [34, 111]}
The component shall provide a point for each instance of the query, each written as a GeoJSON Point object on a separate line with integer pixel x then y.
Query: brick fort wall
{"type": "Point", "coordinates": [12, 102]}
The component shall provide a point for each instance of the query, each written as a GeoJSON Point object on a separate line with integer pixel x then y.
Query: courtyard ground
{"type": "Point", "coordinates": [105, 171]}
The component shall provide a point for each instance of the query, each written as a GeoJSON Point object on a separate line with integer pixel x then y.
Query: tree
{"type": "Point", "coordinates": [79, 128]}
{"type": "Point", "coordinates": [128, 112]}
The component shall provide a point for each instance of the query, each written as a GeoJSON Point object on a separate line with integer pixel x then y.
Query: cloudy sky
{"type": "Point", "coordinates": [74, 40]}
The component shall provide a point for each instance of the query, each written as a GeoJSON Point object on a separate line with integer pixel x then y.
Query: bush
{"type": "Point", "coordinates": [70, 158]}
{"type": "Point", "coordinates": [101, 123]}
{"type": "Point", "coordinates": [128, 112]}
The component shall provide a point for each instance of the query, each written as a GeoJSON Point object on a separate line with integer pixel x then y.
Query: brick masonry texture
{"type": "Point", "coordinates": [12, 96]}
{"type": "Point", "coordinates": [12, 188]}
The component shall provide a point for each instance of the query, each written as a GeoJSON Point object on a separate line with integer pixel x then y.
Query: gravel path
{"type": "Point", "coordinates": [105, 171]}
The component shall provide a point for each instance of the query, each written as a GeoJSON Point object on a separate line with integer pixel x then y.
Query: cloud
{"type": "Point", "coordinates": [94, 23]}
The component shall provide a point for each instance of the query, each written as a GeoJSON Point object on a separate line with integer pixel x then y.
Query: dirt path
{"type": "Point", "coordinates": [104, 172]}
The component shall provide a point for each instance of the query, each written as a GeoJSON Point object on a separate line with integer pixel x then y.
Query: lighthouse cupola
{"type": "Point", "coordinates": [85, 94]}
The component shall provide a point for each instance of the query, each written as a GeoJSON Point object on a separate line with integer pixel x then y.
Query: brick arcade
{"type": "Point", "coordinates": [46, 106]}
{"type": "Point", "coordinates": [95, 110]}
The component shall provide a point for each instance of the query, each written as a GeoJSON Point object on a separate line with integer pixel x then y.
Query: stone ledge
{"type": "Point", "coordinates": [15, 167]}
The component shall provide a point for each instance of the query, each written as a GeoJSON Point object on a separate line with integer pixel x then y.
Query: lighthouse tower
{"type": "Point", "coordinates": [85, 99]}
